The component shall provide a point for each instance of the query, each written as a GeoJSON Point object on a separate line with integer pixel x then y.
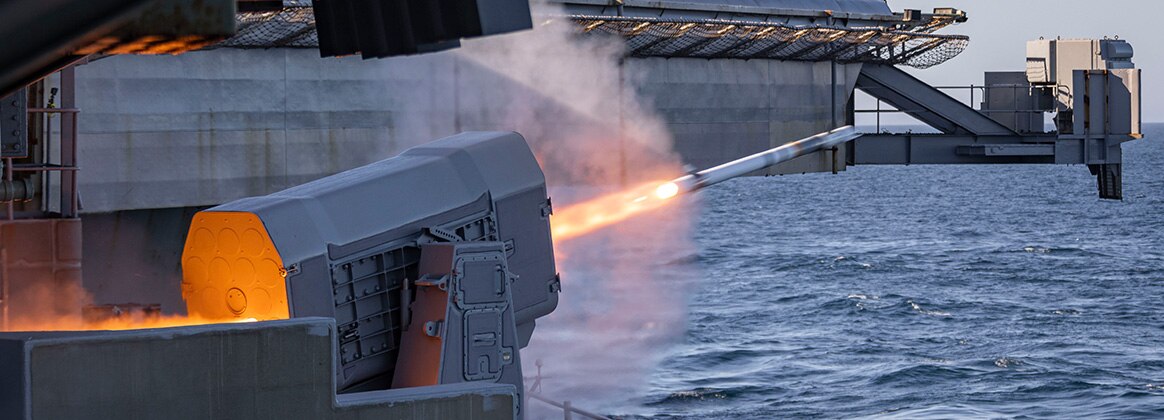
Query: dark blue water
{"type": "Point", "coordinates": [925, 291]}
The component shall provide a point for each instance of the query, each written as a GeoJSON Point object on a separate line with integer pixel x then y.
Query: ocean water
{"type": "Point", "coordinates": [923, 292]}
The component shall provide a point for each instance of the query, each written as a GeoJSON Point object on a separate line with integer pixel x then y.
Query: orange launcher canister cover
{"type": "Point", "coordinates": [231, 269]}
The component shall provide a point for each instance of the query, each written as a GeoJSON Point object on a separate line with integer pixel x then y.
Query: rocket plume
{"type": "Point", "coordinates": [589, 216]}
{"type": "Point", "coordinates": [597, 213]}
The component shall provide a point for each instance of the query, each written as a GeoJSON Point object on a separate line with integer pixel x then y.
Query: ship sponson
{"type": "Point", "coordinates": [870, 7]}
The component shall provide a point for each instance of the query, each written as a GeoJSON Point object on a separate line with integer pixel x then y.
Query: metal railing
{"type": "Point", "coordinates": [67, 166]}
{"type": "Point", "coordinates": [568, 409]}
{"type": "Point", "coordinates": [55, 154]}
{"type": "Point", "coordinates": [1030, 95]}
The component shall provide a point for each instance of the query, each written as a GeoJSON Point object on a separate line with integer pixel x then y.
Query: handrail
{"type": "Point", "coordinates": [567, 408]}
{"type": "Point", "coordinates": [972, 88]}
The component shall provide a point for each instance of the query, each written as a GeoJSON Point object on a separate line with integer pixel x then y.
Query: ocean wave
{"type": "Point", "coordinates": [917, 308]}
{"type": "Point", "coordinates": [975, 302]}
{"type": "Point", "coordinates": [924, 374]}
{"type": "Point", "coordinates": [710, 394]}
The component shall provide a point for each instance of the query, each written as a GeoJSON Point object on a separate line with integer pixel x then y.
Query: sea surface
{"type": "Point", "coordinates": [916, 292]}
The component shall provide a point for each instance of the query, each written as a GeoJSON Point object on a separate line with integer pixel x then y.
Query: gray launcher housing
{"type": "Point", "coordinates": [352, 242]}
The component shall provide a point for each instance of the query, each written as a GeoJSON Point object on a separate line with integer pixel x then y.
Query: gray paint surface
{"type": "Point", "coordinates": [136, 257]}
{"type": "Point", "coordinates": [721, 110]}
{"type": "Point", "coordinates": [270, 370]}
{"type": "Point", "coordinates": [252, 122]}
{"type": "Point", "coordinates": [926, 103]}
{"type": "Point", "coordinates": [341, 220]}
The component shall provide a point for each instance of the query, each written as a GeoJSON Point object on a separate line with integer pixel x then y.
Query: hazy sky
{"type": "Point", "coordinates": [999, 30]}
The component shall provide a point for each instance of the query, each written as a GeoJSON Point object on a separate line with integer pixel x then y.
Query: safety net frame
{"type": "Point", "coordinates": [294, 27]}
{"type": "Point", "coordinates": [709, 38]}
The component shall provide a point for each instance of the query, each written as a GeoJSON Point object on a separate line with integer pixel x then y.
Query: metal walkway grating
{"type": "Point", "coordinates": [651, 37]}
{"type": "Point", "coordinates": [294, 27]}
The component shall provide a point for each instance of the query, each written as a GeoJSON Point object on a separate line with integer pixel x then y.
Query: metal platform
{"type": "Point", "coordinates": [1095, 99]}
{"type": "Point", "coordinates": [743, 33]}
{"type": "Point", "coordinates": [265, 370]}
{"type": "Point", "coordinates": [714, 38]}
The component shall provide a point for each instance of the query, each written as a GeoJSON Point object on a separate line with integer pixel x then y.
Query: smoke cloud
{"type": "Point", "coordinates": [624, 288]}
{"type": "Point", "coordinates": [57, 305]}
{"type": "Point", "coordinates": [37, 303]}
{"type": "Point", "coordinates": [570, 97]}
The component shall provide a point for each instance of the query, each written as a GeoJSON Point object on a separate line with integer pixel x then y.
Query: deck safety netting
{"type": "Point", "coordinates": [648, 37]}
{"type": "Point", "coordinates": [294, 27]}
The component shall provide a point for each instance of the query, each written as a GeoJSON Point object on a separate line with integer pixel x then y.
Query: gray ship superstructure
{"type": "Point", "coordinates": [248, 179]}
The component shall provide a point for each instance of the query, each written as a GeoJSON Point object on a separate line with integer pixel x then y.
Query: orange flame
{"type": "Point", "coordinates": [115, 324]}
{"type": "Point", "coordinates": [588, 216]}
{"type": "Point", "coordinates": [667, 190]}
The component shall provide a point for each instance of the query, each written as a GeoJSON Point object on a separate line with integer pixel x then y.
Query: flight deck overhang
{"type": "Point", "coordinates": [859, 12]}
{"type": "Point", "coordinates": [746, 39]}
{"type": "Point", "coordinates": [847, 31]}
{"type": "Point", "coordinates": [42, 37]}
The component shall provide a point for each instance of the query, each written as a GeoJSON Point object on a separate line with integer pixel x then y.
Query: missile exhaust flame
{"type": "Point", "coordinates": [667, 190]}
{"type": "Point", "coordinates": [588, 216]}
{"type": "Point", "coordinates": [78, 324]}
{"type": "Point", "coordinates": [49, 306]}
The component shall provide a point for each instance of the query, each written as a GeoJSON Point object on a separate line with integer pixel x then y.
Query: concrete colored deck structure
{"type": "Point", "coordinates": [268, 370]}
{"type": "Point", "coordinates": [252, 122]}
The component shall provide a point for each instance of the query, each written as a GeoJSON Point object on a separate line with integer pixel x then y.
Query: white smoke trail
{"type": "Point", "coordinates": [624, 296]}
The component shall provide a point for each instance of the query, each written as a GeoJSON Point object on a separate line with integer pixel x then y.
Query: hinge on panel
{"type": "Point", "coordinates": [432, 328]}
{"type": "Point", "coordinates": [556, 284]}
{"type": "Point", "coordinates": [547, 208]}
{"type": "Point", "coordinates": [441, 283]}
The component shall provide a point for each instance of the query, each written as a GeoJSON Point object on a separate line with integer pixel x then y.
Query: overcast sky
{"type": "Point", "coordinates": [999, 30]}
